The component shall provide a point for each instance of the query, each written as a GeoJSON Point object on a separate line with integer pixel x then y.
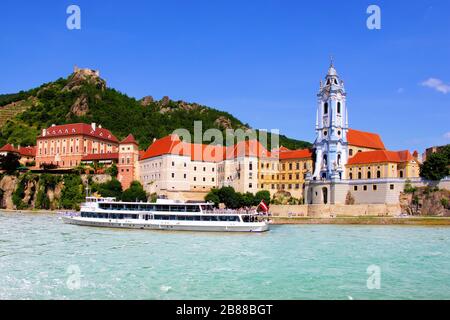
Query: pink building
{"type": "Point", "coordinates": [65, 145]}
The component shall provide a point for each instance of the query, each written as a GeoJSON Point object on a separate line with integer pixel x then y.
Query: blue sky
{"type": "Point", "coordinates": [259, 60]}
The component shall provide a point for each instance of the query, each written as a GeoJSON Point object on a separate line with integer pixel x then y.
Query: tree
{"type": "Point", "coordinates": [262, 195]}
{"type": "Point", "coordinates": [229, 197]}
{"type": "Point", "coordinates": [247, 199]}
{"type": "Point", "coordinates": [112, 188]}
{"type": "Point", "coordinates": [9, 162]}
{"type": "Point", "coordinates": [213, 196]}
{"type": "Point", "coordinates": [72, 193]}
{"type": "Point", "coordinates": [134, 193]}
{"type": "Point", "coordinates": [112, 171]}
{"type": "Point", "coordinates": [436, 167]}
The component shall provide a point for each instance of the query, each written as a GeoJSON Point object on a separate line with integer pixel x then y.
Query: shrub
{"type": "Point", "coordinates": [72, 193]}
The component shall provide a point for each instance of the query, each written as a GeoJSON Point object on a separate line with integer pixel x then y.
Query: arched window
{"type": "Point", "coordinates": [359, 175]}
{"type": "Point", "coordinates": [351, 176]}
{"type": "Point", "coordinates": [401, 173]}
{"type": "Point", "coordinates": [325, 108]}
{"type": "Point", "coordinates": [339, 108]}
{"type": "Point", "coordinates": [378, 174]}
{"type": "Point", "coordinates": [369, 175]}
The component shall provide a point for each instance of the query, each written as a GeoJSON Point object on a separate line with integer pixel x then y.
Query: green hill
{"type": "Point", "coordinates": [84, 97]}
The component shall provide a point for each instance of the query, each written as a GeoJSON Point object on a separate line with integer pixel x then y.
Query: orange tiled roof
{"type": "Point", "coordinates": [101, 156]}
{"type": "Point", "coordinates": [380, 156]}
{"type": "Point", "coordinates": [203, 152]}
{"type": "Point", "coordinates": [365, 139]}
{"type": "Point", "coordinates": [296, 154]}
{"type": "Point", "coordinates": [79, 128]}
{"type": "Point", "coordinates": [129, 139]}
{"type": "Point", "coordinates": [248, 148]}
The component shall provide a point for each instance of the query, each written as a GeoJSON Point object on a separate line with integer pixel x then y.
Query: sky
{"type": "Point", "coordinates": [262, 60]}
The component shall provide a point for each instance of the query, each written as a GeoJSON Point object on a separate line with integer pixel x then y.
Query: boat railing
{"type": "Point", "coordinates": [229, 211]}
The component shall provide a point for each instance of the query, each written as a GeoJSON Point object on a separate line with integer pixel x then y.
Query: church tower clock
{"type": "Point", "coordinates": [331, 148]}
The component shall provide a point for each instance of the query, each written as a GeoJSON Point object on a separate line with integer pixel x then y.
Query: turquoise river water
{"type": "Point", "coordinates": [42, 258]}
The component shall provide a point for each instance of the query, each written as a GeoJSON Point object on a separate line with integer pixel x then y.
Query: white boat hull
{"type": "Point", "coordinates": [169, 225]}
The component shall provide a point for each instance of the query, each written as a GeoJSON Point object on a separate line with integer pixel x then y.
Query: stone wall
{"type": "Point", "coordinates": [338, 210]}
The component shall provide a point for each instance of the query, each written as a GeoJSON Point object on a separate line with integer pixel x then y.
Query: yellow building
{"type": "Point", "coordinates": [382, 164]}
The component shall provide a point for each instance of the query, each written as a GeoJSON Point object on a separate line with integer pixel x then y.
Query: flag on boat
{"type": "Point", "coordinates": [263, 206]}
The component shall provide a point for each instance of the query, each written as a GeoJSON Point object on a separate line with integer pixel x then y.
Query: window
{"type": "Point", "coordinates": [391, 187]}
{"type": "Point", "coordinates": [250, 166]}
{"type": "Point", "coordinates": [401, 173]}
{"type": "Point", "coordinates": [325, 108]}
{"type": "Point", "coordinates": [374, 187]}
{"type": "Point", "coordinates": [250, 185]}
{"type": "Point", "coordinates": [369, 175]}
{"type": "Point", "coordinates": [351, 176]}
{"type": "Point", "coordinates": [173, 164]}
{"type": "Point", "coordinates": [365, 188]}
{"type": "Point", "coordinates": [350, 152]}
{"type": "Point", "coordinates": [173, 175]}
{"type": "Point", "coordinates": [184, 175]}
{"type": "Point", "coordinates": [378, 174]}
{"type": "Point", "coordinates": [355, 188]}
{"type": "Point", "coordinates": [359, 175]}
{"type": "Point", "coordinates": [339, 108]}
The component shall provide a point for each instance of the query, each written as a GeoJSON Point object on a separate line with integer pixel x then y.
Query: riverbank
{"type": "Point", "coordinates": [363, 220]}
{"type": "Point", "coordinates": [419, 221]}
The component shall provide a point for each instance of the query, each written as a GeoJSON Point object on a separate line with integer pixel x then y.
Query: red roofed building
{"type": "Point", "coordinates": [128, 162]}
{"type": "Point", "coordinates": [183, 171]}
{"type": "Point", "coordinates": [66, 145]}
{"type": "Point", "coordinates": [27, 154]}
{"type": "Point", "coordinates": [383, 164]}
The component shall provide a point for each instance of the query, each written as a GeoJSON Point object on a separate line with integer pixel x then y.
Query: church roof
{"type": "Point", "coordinates": [365, 139]}
{"type": "Point", "coordinates": [380, 156]}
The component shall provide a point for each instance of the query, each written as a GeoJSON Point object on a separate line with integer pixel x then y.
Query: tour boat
{"type": "Point", "coordinates": [165, 215]}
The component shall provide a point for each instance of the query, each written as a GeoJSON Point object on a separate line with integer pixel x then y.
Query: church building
{"type": "Point", "coordinates": [352, 166]}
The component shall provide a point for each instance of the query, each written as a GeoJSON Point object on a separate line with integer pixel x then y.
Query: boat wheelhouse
{"type": "Point", "coordinates": [165, 215]}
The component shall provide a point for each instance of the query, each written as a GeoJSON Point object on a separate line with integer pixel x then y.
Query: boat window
{"type": "Point", "coordinates": [192, 209]}
{"type": "Point", "coordinates": [206, 218]}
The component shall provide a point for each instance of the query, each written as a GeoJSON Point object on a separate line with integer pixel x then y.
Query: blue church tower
{"type": "Point", "coordinates": [331, 147]}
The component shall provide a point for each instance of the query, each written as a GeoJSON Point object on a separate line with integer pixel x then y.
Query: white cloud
{"type": "Point", "coordinates": [437, 85]}
{"type": "Point", "coordinates": [447, 136]}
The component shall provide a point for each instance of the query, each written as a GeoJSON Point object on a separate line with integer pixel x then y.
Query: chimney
{"type": "Point", "coordinates": [99, 126]}
{"type": "Point", "coordinates": [94, 126]}
{"type": "Point", "coordinates": [44, 132]}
